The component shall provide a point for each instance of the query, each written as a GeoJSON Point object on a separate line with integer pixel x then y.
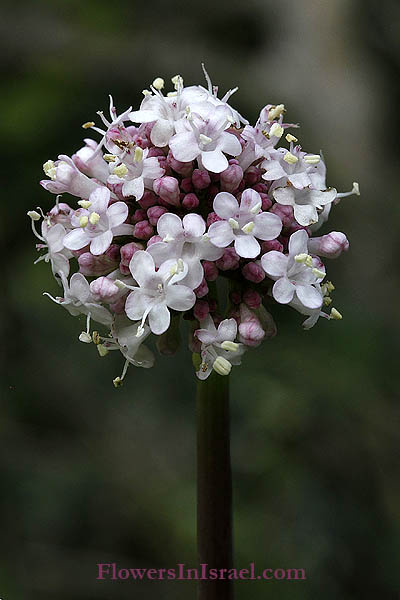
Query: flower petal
{"type": "Point", "coordinates": [142, 267]}
{"type": "Point", "coordinates": [194, 225]}
{"type": "Point", "coordinates": [214, 161]}
{"type": "Point", "coordinates": [298, 243]}
{"type": "Point", "coordinates": [283, 290]}
{"type": "Point", "coordinates": [170, 225]}
{"type": "Point", "coordinates": [227, 330]}
{"type": "Point", "coordinates": [133, 187]}
{"type": "Point", "coordinates": [136, 304]}
{"type": "Point", "coordinates": [247, 246]}
{"type": "Point", "coordinates": [79, 287]}
{"type": "Point", "coordinates": [221, 234]}
{"type": "Point", "coordinates": [309, 296]}
{"type": "Point", "coordinates": [76, 239]}
{"type": "Point", "coordinates": [161, 133]}
{"type": "Point", "coordinates": [100, 198]}
{"type": "Point", "coordinates": [267, 226]}
{"type": "Point", "coordinates": [305, 214]}
{"type": "Point", "coordinates": [274, 263]}
{"type": "Point", "coordinates": [180, 297]}
{"type": "Point", "coordinates": [285, 195]}
{"type": "Point", "coordinates": [101, 243]}
{"type": "Point", "coordinates": [229, 143]}
{"type": "Point", "coordinates": [299, 180]}
{"type": "Point", "coordinates": [99, 313]}
{"type": "Point", "coordinates": [249, 199]}
{"type": "Point", "coordinates": [159, 319]}
{"type": "Point", "coordinates": [117, 214]}
{"type": "Point", "coordinates": [184, 146]}
{"type": "Point", "coordinates": [225, 205]}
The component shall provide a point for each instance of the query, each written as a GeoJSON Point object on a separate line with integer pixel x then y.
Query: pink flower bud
{"type": "Point", "coordinates": [202, 290]}
{"type": "Point", "coordinates": [233, 161]}
{"type": "Point", "coordinates": [213, 190]}
{"type": "Point", "coordinates": [153, 240]}
{"type": "Point", "coordinates": [155, 152]}
{"type": "Point", "coordinates": [148, 199]}
{"type": "Point", "coordinates": [284, 212]}
{"type": "Point", "coordinates": [261, 188]}
{"type": "Point", "coordinates": [186, 185]}
{"type": "Point", "coordinates": [104, 289]}
{"type": "Point", "coordinates": [229, 260]}
{"type": "Point", "coordinates": [252, 299]}
{"type": "Point", "coordinates": [271, 245]}
{"type": "Point", "coordinates": [210, 270]}
{"type": "Point", "coordinates": [212, 217]}
{"type": "Point", "coordinates": [201, 309]}
{"type": "Point", "coordinates": [139, 215]}
{"type": "Point", "coordinates": [201, 179]}
{"type": "Point", "coordinates": [266, 201]}
{"type": "Point", "coordinates": [143, 230]}
{"type": "Point", "coordinates": [231, 178]}
{"type": "Point", "coordinates": [251, 332]}
{"type": "Point", "coordinates": [254, 272]}
{"type": "Point", "coordinates": [90, 265]}
{"type": "Point", "coordinates": [182, 168]}
{"type": "Point", "coordinates": [168, 189]}
{"type": "Point", "coordinates": [190, 201]}
{"type": "Point", "coordinates": [154, 213]}
{"type": "Point", "coordinates": [330, 245]}
{"type": "Point", "coordinates": [252, 176]}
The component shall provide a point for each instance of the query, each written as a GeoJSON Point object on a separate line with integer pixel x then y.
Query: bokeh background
{"type": "Point", "coordinates": [91, 474]}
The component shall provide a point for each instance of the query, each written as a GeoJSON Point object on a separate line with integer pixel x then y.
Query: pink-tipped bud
{"type": "Point", "coordinates": [330, 245]}
{"type": "Point", "coordinates": [154, 213]}
{"type": "Point", "coordinates": [104, 289]}
{"type": "Point", "coordinates": [261, 188]}
{"type": "Point", "coordinates": [210, 270]}
{"type": "Point", "coordinates": [153, 240]}
{"type": "Point", "coordinates": [143, 230]}
{"type": "Point", "coordinates": [201, 309]}
{"type": "Point", "coordinates": [190, 201]}
{"type": "Point", "coordinates": [231, 178]}
{"type": "Point", "coordinates": [213, 190]}
{"type": "Point", "coordinates": [182, 168]}
{"type": "Point", "coordinates": [201, 179]}
{"type": "Point", "coordinates": [252, 299]}
{"type": "Point", "coordinates": [271, 245]}
{"type": "Point", "coordinates": [202, 290]}
{"type": "Point", "coordinates": [254, 272]}
{"type": "Point", "coordinates": [229, 260]}
{"type": "Point", "coordinates": [251, 332]}
{"type": "Point", "coordinates": [155, 152]}
{"type": "Point", "coordinates": [252, 176]}
{"type": "Point", "coordinates": [187, 185]}
{"type": "Point", "coordinates": [212, 217]}
{"type": "Point", "coordinates": [285, 213]}
{"type": "Point", "coordinates": [148, 199]}
{"type": "Point", "coordinates": [168, 189]}
{"type": "Point", "coordinates": [139, 215]}
{"type": "Point", "coordinates": [118, 307]}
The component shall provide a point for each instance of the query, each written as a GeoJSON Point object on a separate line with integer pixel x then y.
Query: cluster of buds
{"type": "Point", "coordinates": [174, 197]}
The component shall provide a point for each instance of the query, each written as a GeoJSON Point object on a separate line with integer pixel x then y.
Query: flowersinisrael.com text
{"type": "Point", "coordinates": [112, 571]}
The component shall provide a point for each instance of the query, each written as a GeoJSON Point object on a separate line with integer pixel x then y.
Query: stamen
{"type": "Point", "coordinates": [168, 238]}
{"type": "Point", "coordinates": [256, 209]}
{"type": "Point", "coordinates": [231, 346]}
{"type": "Point", "coordinates": [248, 228]}
{"type": "Point", "coordinates": [146, 92]}
{"type": "Point", "coordinates": [83, 221]}
{"type": "Point", "coordinates": [120, 171]}
{"type": "Point", "coordinates": [335, 314]}
{"type": "Point", "coordinates": [102, 350]}
{"type": "Point", "coordinates": [312, 159]}
{"type": "Point", "coordinates": [109, 157]}
{"type": "Point", "coordinates": [138, 155]}
{"type": "Point", "coordinates": [50, 169]}
{"type": "Point", "coordinates": [158, 83]}
{"type": "Point", "coordinates": [88, 125]}
{"type": "Point", "coordinates": [222, 366]}
{"type": "Point", "coordinates": [276, 130]}
{"type": "Point", "coordinates": [85, 203]}
{"type": "Point", "coordinates": [318, 273]}
{"type": "Point", "coordinates": [94, 218]}
{"type": "Point", "coordinates": [85, 337]}
{"type": "Point", "coordinates": [290, 158]}
{"type": "Point", "coordinates": [233, 223]}
{"type": "Point", "coordinates": [276, 112]}
{"type": "Point", "coordinates": [205, 139]}
{"type": "Point", "coordinates": [32, 214]}
{"type": "Point", "coordinates": [290, 138]}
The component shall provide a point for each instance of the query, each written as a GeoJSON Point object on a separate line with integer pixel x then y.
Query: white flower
{"type": "Point", "coordinates": [185, 239]}
{"type": "Point", "coordinates": [305, 202]}
{"type": "Point", "coordinates": [135, 171]}
{"type": "Point", "coordinates": [53, 239]}
{"type": "Point", "coordinates": [219, 351]}
{"type": "Point", "coordinates": [97, 224]}
{"type": "Point", "coordinates": [78, 300]}
{"type": "Point", "coordinates": [66, 177]}
{"type": "Point", "coordinates": [125, 339]}
{"type": "Point", "coordinates": [157, 291]}
{"type": "Point", "coordinates": [166, 111]}
{"type": "Point", "coordinates": [205, 138]}
{"type": "Point", "coordinates": [213, 99]}
{"type": "Point", "coordinates": [91, 162]}
{"type": "Point", "coordinates": [297, 274]}
{"type": "Point", "coordinates": [243, 224]}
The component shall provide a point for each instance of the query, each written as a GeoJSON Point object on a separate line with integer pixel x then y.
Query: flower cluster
{"type": "Point", "coordinates": [174, 198]}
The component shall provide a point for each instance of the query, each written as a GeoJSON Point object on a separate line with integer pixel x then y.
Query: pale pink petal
{"type": "Point", "coordinates": [117, 214]}
{"type": "Point", "coordinates": [142, 267]}
{"type": "Point", "coordinates": [283, 290]}
{"type": "Point", "coordinates": [100, 198]}
{"type": "Point", "coordinates": [247, 246]}
{"type": "Point", "coordinates": [298, 243]}
{"type": "Point", "coordinates": [133, 187]}
{"type": "Point", "coordinates": [184, 146]}
{"type": "Point", "coordinates": [274, 263]}
{"type": "Point", "coordinates": [227, 330]}
{"type": "Point", "coordinates": [309, 296]}
{"type": "Point", "coordinates": [161, 133]}
{"type": "Point", "coordinates": [99, 314]}
{"type": "Point", "coordinates": [229, 143]}
{"type": "Point", "coordinates": [143, 116]}
{"type": "Point", "coordinates": [305, 214]}
{"type": "Point", "coordinates": [180, 297]}
{"type": "Point", "coordinates": [225, 205]}
{"type": "Point", "coordinates": [194, 225]}
{"type": "Point", "coordinates": [159, 319]}
{"type": "Point", "coordinates": [221, 234]}
{"type": "Point", "coordinates": [76, 239]}
{"type": "Point", "coordinates": [267, 226]}
{"type": "Point", "coordinates": [299, 180]}
{"type": "Point", "coordinates": [136, 304]}
{"type": "Point", "coordinates": [169, 224]}
{"type": "Point", "coordinates": [285, 195]}
{"type": "Point", "coordinates": [55, 238]}
{"type": "Point", "coordinates": [214, 161]}
{"type": "Point", "coordinates": [101, 243]}
{"type": "Point", "coordinates": [79, 287]}
{"type": "Point", "coordinates": [249, 199]}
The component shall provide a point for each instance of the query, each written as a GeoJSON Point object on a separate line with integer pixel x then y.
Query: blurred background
{"type": "Point", "coordinates": [92, 474]}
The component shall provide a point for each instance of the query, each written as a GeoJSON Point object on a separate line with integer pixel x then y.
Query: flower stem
{"type": "Point", "coordinates": [214, 485]}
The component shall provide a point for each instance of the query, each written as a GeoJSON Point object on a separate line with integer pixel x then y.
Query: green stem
{"type": "Point", "coordinates": [214, 485]}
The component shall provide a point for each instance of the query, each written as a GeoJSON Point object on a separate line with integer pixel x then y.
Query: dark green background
{"type": "Point", "coordinates": [91, 474]}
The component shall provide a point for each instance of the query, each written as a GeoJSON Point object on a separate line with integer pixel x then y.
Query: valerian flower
{"type": "Point", "coordinates": [219, 351]}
